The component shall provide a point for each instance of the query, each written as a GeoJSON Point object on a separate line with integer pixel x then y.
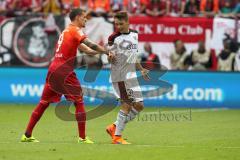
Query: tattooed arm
{"type": "Point", "coordinates": [95, 46]}
{"type": "Point", "coordinates": [87, 50]}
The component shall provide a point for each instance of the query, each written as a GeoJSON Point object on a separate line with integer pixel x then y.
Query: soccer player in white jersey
{"type": "Point", "coordinates": [124, 44]}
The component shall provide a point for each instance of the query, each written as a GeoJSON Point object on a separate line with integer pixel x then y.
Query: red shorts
{"type": "Point", "coordinates": [71, 89]}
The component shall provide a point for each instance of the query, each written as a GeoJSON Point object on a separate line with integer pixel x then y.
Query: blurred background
{"type": "Point", "coordinates": [196, 40]}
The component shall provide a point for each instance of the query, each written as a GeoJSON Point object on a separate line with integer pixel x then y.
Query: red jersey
{"type": "Point", "coordinates": [66, 48]}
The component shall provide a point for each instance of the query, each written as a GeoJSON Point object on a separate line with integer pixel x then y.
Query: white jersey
{"type": "Point", "coordinates": [125, 47]}
{"type": "Point", "coordinates": [123, 71]}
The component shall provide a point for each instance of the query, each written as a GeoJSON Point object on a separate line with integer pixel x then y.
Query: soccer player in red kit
{"type": "Point", "coordinates": [61, 78]}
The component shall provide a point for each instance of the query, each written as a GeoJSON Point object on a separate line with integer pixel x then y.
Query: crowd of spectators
{"type": "Point", "coordinates": [202, 59]}
{"type": "Point", "coordinates": [199, 59]}
{"type": "Point", "coordinates": [209, 8]}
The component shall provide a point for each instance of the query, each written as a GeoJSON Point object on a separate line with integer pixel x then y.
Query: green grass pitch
{"type": "Point", "coordinates": [203, 135]}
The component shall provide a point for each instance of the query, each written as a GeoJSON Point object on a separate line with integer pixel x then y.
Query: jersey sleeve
{"type": "Point", "coordinates": [79, 35]}
{"type": "Point", "coordinates": [112, 37]}
{"type": "Point", "coordinates": [110, 40]}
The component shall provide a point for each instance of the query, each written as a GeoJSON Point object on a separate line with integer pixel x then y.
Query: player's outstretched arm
{"type": "Point", "coordinates": [95, 46]}
{"type": "Point", "coordinates": [87, 50]}
{"type": "Point", "coordinates": [98, 48]}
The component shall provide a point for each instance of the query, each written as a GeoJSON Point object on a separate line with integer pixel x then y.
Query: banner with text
{"type": "Point", "coordinates": [190, 89]}
{"type": "Point", "coordinates": [162, 32]}
{"type": "Point", "coordinates": [167, 29]}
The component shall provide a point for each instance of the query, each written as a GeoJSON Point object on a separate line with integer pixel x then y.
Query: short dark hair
{"type": "Point", "coordinates": [75, 12]}
{"type": "Point", "coordinates": [121, 15]}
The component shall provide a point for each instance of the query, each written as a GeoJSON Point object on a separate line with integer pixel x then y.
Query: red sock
{"type": "Point", "coordinates": [81, 118]}
{"type": "Point", "coordinates": [36, 115]}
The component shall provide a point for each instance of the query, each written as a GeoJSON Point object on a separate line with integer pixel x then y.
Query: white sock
{"type": "Point", "coordinates": [120, 123]}
{"type": "Point", "coordinates": [131, 115]}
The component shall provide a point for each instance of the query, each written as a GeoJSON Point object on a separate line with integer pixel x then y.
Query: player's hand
{"type": "Point", "coordinates": [111, 57]}
{"type": "Point", "coordinates": [145, 75]}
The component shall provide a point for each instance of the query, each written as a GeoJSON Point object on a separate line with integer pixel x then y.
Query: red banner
{"type": "Point", "coordinates": [168, 29]}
